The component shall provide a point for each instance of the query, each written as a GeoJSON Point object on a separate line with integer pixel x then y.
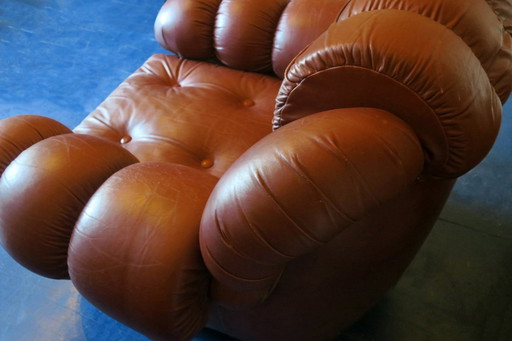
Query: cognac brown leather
{"type": "Point", "coordinates": [272, 178]}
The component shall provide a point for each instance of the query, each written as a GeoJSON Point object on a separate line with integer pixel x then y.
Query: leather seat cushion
{"type": "Point", "coordinates": [186, 112]}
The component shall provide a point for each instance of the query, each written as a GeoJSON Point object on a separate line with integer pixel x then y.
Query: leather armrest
{"type": "Point", "coordinates": [20, 132]}
{"type": "Point", "coordinates": [135, 252]}
{"type": "Point", "coordinates": [44, 190]}
{"type": "Point", "coordinates": [474, 21]}
{"type": "Point", "coordinates": [406, 64]}
{"type": "Point", "coordinates": [298, 188]}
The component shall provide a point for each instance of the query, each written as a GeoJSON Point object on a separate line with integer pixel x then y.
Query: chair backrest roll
{"type": "Point", "coordinates": [260, 36]}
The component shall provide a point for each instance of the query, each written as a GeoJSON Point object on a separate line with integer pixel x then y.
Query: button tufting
{"type": "Point", "coordinates": [248, 102]}
{"type": "Point", "coordinates": [126, 139]}
{"type": "Point", "coordinates": [207, 163]}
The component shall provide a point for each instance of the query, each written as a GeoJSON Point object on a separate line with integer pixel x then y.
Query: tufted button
{"type": "Point", "coordinates": [207, 163]}
{"type": "Point", "coordinates": [248, 102]}
{"type": "Point", "coordinates": [126, 139]}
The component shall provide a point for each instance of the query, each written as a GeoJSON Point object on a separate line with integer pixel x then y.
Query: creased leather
{"type": "Point", "coordinates": [439, 87]}
{"type": "Point", "coordinates": [279, 201]}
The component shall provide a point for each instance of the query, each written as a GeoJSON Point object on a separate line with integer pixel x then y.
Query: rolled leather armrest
{"type": "Point", "coordinates": [298, 188]}
{"type": "Point", "coordinates": [474, 21]}
{"type": "Point", "coordinates": [47, 175]}
{"type": "Point", "coordinates": [44, 190]}
{"type": "Point", "coordinates": [406, 64]}
{"type": "Point", "coordinates": [135, 251]}
{"type": "Point", "coordinates": [17, 133]}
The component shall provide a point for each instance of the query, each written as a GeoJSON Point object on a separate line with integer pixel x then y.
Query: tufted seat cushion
{"type": "Point", "coordinates": [190, 113]}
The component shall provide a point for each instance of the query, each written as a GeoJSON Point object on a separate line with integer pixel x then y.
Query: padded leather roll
{"type": "Point", "coordinates": [298, 188]}
{"type": "Point", "coordinates": [261, 36]}
{"type": "Point", "coordinates": [186, 27]}
{"type": "Point", "coordinates": [239, 33]}
{"type": "Point", "coordinates": [244, 33]}
{"type": "Point", "coordinates": [44, 190]}
{"type": "Point", "coordinates": [135, 250]}
{"type": "Point", "coordinates": [17, 133]}
{"type": "Point", "coordinates": [299, 26]}
{"type": "Point", "coordinates": [472, 20]}
{"type": "Point", "coordinates": [406, 64]}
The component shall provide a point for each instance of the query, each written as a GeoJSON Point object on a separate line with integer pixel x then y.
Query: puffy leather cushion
{"type": "Point", "coordinates": [296, 189]}
{"type": "Point", "coordinates": [472, 20]}
{"type": "Point", "coordinates": [191, 113]}
{"type": "Point", "coordinates": [265, 35]}
{"type": "Point", "coordinates": [244, 33]}
{"type": "Point", "coordinates": [20, 132]}
{"type": "Point", "coordinates": [135, 250]}
{"type": "Point", "coordinates": [299, 26]}
{"type": "Point", "coordinates": [186, 27]}
{"type": "Point", "coordinates": [260, 36]}
{"type": "Point", "coordinates": [43, 192]}
{"type": "Point", "coordinates": [438, 87]}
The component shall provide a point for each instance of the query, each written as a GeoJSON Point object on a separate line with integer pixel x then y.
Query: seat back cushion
{"type": "Point", "coordinates": [265, 35]}
{"type": "Point", "coordinates": [259, 36]}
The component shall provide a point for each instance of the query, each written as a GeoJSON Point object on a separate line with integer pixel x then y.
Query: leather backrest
{"type": "Point", "coordinates": [260, 36]}
{"type": "Point", "coordinates": [474, 21]}
{"type": "Point", "coordinates": [429, 77]}
{"type": "Point", "coordinates": [265, 35]}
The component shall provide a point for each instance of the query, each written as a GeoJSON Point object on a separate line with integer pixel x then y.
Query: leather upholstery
{"type": "Point", "coordinates": [274, 178]}
{"type": "Point", "coordinates": [160, 111]}
{"type": "Point", "coordinates": [249, 35]}
{"type": "Point", "coordinates": [471, 20]}
{"type": "Point", "coordinates": [149, 238]}
{"type": "Point", "coordinates": [416, 82]}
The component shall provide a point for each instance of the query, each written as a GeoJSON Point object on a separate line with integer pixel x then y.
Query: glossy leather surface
{"type": "Point", "coordinates": [149, 239]}
{"type": "Point", "coordinates": [199, 132]}
{"type": "Point", "coordinates": [424, 84]}
{"type": "Point", "coordinates": [473, 21]}
{"type": "Point", "coordinates": [307, 203]}
{"type": "Point", "coordinates": [259, 36]}
{"type": "Point", "coordinates": [57, 175]}
{"type": "Point", "coordinates": [351, 271]}
{"type": "Point", "coordinates": [180, 111]}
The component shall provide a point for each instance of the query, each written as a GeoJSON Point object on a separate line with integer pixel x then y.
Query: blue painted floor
{"type": "Point", "coordinates": [61, 58]}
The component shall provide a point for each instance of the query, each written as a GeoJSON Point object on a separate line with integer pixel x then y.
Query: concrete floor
{"type": "Point", "coordinates": [61, 58]}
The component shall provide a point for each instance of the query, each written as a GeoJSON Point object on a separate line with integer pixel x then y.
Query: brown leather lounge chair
{"type": "Point", "coordinates": [272, 180]}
